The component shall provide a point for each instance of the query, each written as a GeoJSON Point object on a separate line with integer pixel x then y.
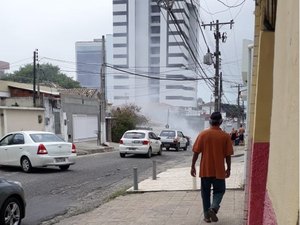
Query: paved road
{"type": "Point", "coordinates": [51, 192]}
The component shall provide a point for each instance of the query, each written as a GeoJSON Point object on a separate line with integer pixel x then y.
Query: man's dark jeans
{"type": "Point", "coordinates": [218, 192]}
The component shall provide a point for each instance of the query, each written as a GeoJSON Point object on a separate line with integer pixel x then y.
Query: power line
{"type": "Point", "coordinates": [197, 19]}
{"type": "Point", "coordinates": [178, 28]}
{"type": "Point", "coordinates": [156, 78]}
{"type": "Point", "coordinates": [192, 29]}
{"type": "Point", "coordinates": [232, 6]}
{"type": "Point", "coordinates": [184, 41]}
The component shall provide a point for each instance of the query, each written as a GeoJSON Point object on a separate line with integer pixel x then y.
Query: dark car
{"type": "Point", "coordinates": [12, 202]}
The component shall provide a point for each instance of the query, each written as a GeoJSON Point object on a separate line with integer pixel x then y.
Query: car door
{"type": "Point", "coordinates": [182, 139]}
{"type": "Point", "coordinates": [155, 143]}
{"type": "Point", "coordinates": [4, 146]}
{"type": "Point", "coordinates": [15, 149]}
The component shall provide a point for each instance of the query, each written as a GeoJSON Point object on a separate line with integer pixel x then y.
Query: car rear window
{"type": "Point", "coordinates": [167, 133]}
{"type": "Point", "coordinates": [134, 135]}
{"type": "Point", "coordinates": [39, 137]}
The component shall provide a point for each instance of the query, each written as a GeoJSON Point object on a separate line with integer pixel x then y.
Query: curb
{"type": "Point", "coordinates": [94, 151]}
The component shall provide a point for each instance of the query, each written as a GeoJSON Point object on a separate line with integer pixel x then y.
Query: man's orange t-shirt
{"type": "Point", "coordinates": [215, 145]}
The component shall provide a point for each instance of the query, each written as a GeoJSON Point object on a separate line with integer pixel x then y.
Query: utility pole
{"type": "Point", "coordinates": [102, 133]}
{"type": "Point", "coordinates": [218, 36]}
{"type": "Point", "coordinates": [166, 4]}
{"type": "Point", "coordinates": [221, 91]}
{"type": "Point", "coordinates": [35, 58]}
{"type": "Point", "coordinates": [238, 104]}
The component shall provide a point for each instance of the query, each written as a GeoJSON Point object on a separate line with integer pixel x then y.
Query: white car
{"type": "Point", "coordinates": [140, 142]}
{"type": "Point", "coordinates": [30, 149]}
{"type": "Point", "coordinates": [173, 139]}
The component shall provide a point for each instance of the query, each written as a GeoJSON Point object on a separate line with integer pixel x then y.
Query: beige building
{"type": "Point", "coordinates": [272, 190]}
{"type": "Point", "coordinates": [21, 118]}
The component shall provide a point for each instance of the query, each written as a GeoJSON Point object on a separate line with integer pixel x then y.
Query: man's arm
{"type": "Point", "coordinates": [228, 163]}
{"type": "Point", "coordinates": [194, 160]}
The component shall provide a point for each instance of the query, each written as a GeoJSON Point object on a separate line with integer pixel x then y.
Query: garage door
{"type": "Point", "coordinates": [84, 127]}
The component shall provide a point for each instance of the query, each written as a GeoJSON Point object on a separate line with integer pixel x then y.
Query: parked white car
{"type": "Point", "coordinates": [173, 139]}
{"type": "Point", "coordinates": [140, 142]}
{"type": "Point", "coordinates": [30, 149]}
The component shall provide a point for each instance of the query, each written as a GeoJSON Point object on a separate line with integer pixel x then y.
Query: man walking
{"type": "Point", "coordinates": [215, 147]}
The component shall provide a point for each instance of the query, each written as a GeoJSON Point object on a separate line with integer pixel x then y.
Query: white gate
{"type": "Point", "coordinates": [85, 127]}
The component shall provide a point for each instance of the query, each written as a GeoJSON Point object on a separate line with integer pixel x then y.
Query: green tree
{"type": "Point", "coordinates": [126, 118]}
{"type": "Point", "coordinates": [46, 73]}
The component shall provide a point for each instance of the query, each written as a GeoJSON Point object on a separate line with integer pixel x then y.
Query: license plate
{"type": "Point", "coordinates": [60, 160]}
{"type": "Point", "coordinates": [166, 145]}
{"type": "Point", "coordinates": [136, 142]}
{"type": "Point", "coordinates": [131, 148]}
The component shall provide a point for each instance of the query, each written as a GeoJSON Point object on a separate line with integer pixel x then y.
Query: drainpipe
{"type": "Point", "coordinates": [248, 149]}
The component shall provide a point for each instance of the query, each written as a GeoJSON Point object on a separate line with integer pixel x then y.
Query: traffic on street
{"type": "Point", "coordinates": [52, 194]}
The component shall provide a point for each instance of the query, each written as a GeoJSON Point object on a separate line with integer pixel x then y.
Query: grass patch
{"type": "Point", "coordinates": [116, 194]}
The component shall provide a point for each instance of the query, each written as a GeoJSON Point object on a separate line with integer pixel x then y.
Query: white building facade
{"type": "Point", "coordinates": [146, 41]}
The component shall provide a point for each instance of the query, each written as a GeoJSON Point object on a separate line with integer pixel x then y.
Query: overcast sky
{"type": "Point", "coordinates": [53, 27]}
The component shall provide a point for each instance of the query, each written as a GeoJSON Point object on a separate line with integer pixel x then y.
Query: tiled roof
{"type": "Point", "coordinates": [27, 86]}
{"type": "Point", "coordinates": [91, 93]}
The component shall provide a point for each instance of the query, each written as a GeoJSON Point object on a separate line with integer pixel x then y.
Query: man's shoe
{"type": "Point", "coordinates": [207, 220]}
{"type": "Point", "coordinates": [213, 216]}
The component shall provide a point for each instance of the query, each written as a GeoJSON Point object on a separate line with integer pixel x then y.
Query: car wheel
{"type": "Point", "coordinates": [11, 212]}
{"type": "Point", "coordinates": [160, 151]}
{"type": "Point", "coordinates": [65, 167]}
{"type": "Point", "coordinates": [122, 155]}
{"type": "Point", "coordinates": [149, 153]}
{"type": "Point", "coordinates": [26, 164]}
{"type": "Point", "coordinates": [185, 148]}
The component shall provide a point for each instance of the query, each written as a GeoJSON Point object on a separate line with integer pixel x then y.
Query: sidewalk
{"type": "Point", "coordinates": [91, 147]}
{"type": "Point", "coordinates": [172, 199]}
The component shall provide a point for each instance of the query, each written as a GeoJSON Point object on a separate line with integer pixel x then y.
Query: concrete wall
{"type": "Point", "coordinates": [77, 105]}
{"type": "Point", "coordinates": [21, 118]}
{"type": "Point", "coordinates": [261, 129]}
{"type": "Point", "coordinates": [283, 171]}
{"type": "Point", "coordinates": [272, 191]}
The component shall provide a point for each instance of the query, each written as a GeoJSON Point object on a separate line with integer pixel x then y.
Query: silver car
{"type": "Point", "coordinates": [173, 139]}
{"type": "Point", "coordinates": [140, 142]}
{"type": "Point", "coordinates": [30, 149]}
{"type": "Point", "coordinates": [12, 202]}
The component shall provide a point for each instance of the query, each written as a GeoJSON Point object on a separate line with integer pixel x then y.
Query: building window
{"type": "Point", "coordinates": [121, 87]}
{"type": "Point", "coordinates": [155, 19]}
{"type": "Point", "coordinates": [120, 56]}
{"type": "Point", "coordinates": [155, 40]}
{"type": "Point", "coordinates": [121, 97]}
{"type": "Point", "coordinates": [120, 35]}
{"type": "Point", "coordinates": [179, 98]}
{"type": "Point", "coordinates": [180, 87]}
{"type": "Point", "coordinates": [154, 60]}
{"type": "Point", "coordinates": [121, 76]}
{"type": "Point", "coordinates": [155, 9]}
{"type": "Point", "coordinates": [155, 30]}
{"type": "Point", "coordinates": [119, 45]}
{"type": "Point", "coordinates": [155, 50]}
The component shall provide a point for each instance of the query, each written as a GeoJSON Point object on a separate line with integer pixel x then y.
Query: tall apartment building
{"type": "Point", "coordinates": [88, 62]}
{"type": "Point", "coordinates": [89, 59]}
{"type": "Point", "coordinates": [146, 41]}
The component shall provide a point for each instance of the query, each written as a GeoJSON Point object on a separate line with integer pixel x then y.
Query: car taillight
{"type": "Point", "coordinates": [42, 150]}
{"type": "Point", "coordinates": [121, 142]}
{"type": "Point", "coordinates": [73, 148]}
{"type": "Point", "coordinates": [175, 140]}
{"type": "Point", "coordinates": [145, 142]}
